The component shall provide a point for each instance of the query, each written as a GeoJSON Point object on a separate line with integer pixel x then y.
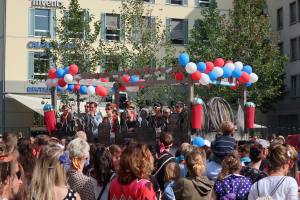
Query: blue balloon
{"type": "Point", "coordinates": [201, 67]}
{"type": "Point", "coordinates": [213, 76]}
{"type": "Point", "coordinates": [134, 78]}
{"type": "Point", "coordinates": [70, 87]}
{"type": "Point", "coordinates": [183, 59]}
{"type": "Point", "coordinates": [227, 72]}
{"type": "Point", "coordinates": [60, 73]}
{"type": "Point", "coordinates": [237, 73]}
{"type": "Point", "coordinates": [66, 70]}
{"type": "Point", "coordinates": [58, 89]}
{"type": "Point", "coordinates": [83, 89]}
{"type": "Point", "coordinates": [248, 69]}
{"type": "Point", "coordinates": [47, 107]}
{"type": "Point", "coordinates": [248, 84]}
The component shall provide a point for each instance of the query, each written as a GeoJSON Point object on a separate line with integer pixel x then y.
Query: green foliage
{"type": "Point", "coordinates": [245, 35]}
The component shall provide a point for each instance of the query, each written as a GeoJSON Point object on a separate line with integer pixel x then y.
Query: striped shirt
{"type": "Point", "coordinates": [223, 145]}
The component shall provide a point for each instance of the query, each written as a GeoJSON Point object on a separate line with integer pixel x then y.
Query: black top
{"type": "Point", "coordinates": [70, 195]}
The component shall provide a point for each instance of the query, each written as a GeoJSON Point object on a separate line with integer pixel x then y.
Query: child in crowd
{"type": "Point", "coordinates": [244, 151]}
{"type": "Point", "coordinates": [172, 173]}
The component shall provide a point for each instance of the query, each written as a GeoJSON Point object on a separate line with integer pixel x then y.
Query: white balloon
{"type": "Point", "coordinates": [54, 82]}
{"type": "Point", "coordinates": [132, 89]}
{"type": "Point", "coordinates": [253, 78]}
{"type": "Point", "coordinates": [191, 68]}
{"type": "Point", "coordinates": [239, 65]}
{"type": "Point", "coordinates": [49, 82]}
{"type": "Point", "coordinates": [219, 71]}
{"type": "Point", "coordinates": [230, 65]}
{"type": "Point", "coordinates": [204, 79]}
{"type": "Point", "coordinates": [64, 88]}
{"type": "Point", "coordinates": [68, 78]}
{"type": "Point", "coordinates": [91, 90]}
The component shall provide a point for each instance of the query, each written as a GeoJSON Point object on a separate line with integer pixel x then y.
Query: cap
{"type": "Point", "coordinates": [264, 143]}
{"type": "Point", "coordinates": [207, 143]}
{"type": "Point", "coordinates": [198, 142]}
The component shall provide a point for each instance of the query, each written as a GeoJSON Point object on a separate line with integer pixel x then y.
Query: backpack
{"type": "Point", "coordinates": [269, 197]}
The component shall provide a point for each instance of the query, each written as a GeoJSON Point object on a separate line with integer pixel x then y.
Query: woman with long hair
{"type": "Point", "coordinates": [49, 177]}
{"type": "Point", "coordinates": [132, 182]}
{"type": "Point", "coordinates": [230, 184]}
{"type": "Point", "coordinates": [277, 185]}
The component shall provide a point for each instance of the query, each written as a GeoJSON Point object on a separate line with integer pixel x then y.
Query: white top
{"type": "Point", "coordinates": [288, 189]}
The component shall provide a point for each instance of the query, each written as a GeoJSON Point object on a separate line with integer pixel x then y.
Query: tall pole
{"type": "Point", "coordinates": [78, 102]}
{"type": "Point", "coordinates": [190, 99]}
{"type": "Point", "coordinates": [53, 97]}
{"type": "Point", "coordinates": [117, 95]}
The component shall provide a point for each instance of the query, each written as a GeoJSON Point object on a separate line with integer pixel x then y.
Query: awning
{"type": "Point", "coordinates": [34, 103]}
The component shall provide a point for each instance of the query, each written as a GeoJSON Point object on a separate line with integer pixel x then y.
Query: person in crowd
{"type": "Point", "coordinates": [230, 184]}
{"type": "Point", "coordinates": [40, 141]}
{"type": "Point", "coordinates": [257, 155]}
{"type": "Point", "coordinates": [172, 174]}
{"type": "Point", "coordinates": [81, 134]}
{"type": "Point", "coordinates": [93, 120]}
{"type": "Point", "coordinates": [181, 153]}
{"type": "Point", "coordinates": [196, 185]}
{"type": "Point", "coordinates": [129, 118]}
{"type": "Point", "coordinates": [84, 185]}
{"type": "Point", "coordinates": [280, 139]}
{"type": "Point", "coordinates": [166, 112]}
{"type": "Point", "coordinates": [157, 120]}
{"type": "Point", "coordinates": [66, 126]}
{"type": "Point", "coordinates": [11, 141]}
{"type": "Point", "coordinates": [277, 185]}
{"type": "Point", "coordinates": [182, 117]}
{"type": "Point", "coordinates": [11, 182]}
{"type": "Point", "coordinates": [164, 157]}
{"type": "Point", "coordinates": [49, 177]}
{"type": "Point", "coordinates": [113, 122]}
{"type": "Point", "coordinates": [132, 181]}
{"type": "Point", "coordinates": [244, 151]}
{"type": "Point", "coordinates": [102, 172]}
{"type": "Point", "coordinates": [293, 170]}
{"type": "Point", "coordinates": [116, 153]}
{"type": "Point", "coordinates": [143, 119]}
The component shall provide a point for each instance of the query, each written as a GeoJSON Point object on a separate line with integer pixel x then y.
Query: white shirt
{"type": "Point", "coordinates": [288, 189]}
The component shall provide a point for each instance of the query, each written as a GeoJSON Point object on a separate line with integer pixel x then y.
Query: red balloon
{"type": "Point", "coordinates": [105, 80]}
{"type": "Point", "coordinates": [141, 86]}
{"type": "Point", "coordinates": [76, 87]}
{"type": "Point", "coordinates": [52, 73]}
{"type": "Point", "coordinates": [122, 88]}
{"type": "Point", "coordinates": [196, 76]}
{"type": "Point", "coordinates": [61, 82]}
{"type": "Point", "coordinates": [219, 62]}
{"type": "Point", "coordinates": [234, 87]}
{"type": "Point", "coordinates": [101, 91]}
{"type": "Point", "coordinates": [73, 70]}
{"type": "Point", "coordinates": [244, 78]}
{"type": "Point", "coordinates": [228, 61]}
{"type": "Point", "coordinates": [209, 67]}
{"type": "Point", "coordinates": [179, 76]}
{"type": "Point", "coordinates": [125, 78]}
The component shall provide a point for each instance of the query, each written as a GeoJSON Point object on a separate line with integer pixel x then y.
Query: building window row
{"type": "Point", "coordinates": [295, 85]}
{"type": "Point", "coordinates": [294, 14]}
{"type": "Point", "coordinates": [294, 49]}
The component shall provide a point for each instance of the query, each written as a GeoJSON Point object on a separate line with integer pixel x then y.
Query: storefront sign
{"type": "Point", "coordinates": [37, 90]}
{"type": "Point", "coordinates": [46, 45]}
{"type": "Point", "coordinates": [47, 3]}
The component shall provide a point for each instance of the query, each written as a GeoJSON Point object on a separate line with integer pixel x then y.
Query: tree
{"type": "Point", "coordinates": [244, 35]}
{"type": "Point", "coordinates": [75, 39]}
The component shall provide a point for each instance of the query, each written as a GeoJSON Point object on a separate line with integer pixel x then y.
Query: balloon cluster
{"type": "Point", "coordinates": [207, 72]}
{"type": "Point", "coordinates": [62, 79]}
{"type": "Point", "coordinates": [133, 79]}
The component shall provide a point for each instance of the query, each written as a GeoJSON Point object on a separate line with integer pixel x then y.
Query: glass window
{"type": "Point", "coordinates": [280, 46]}
{"type": "Point", "coordinates": [41, 22]}
{"type": "Point", "coordinates": [112, 27]}
{"type": "Point", "coordinates": [111, 64]}
{"type": "Point", "coordinates": [293, 85]}
{"type": "Point", "coordinates": [177, 2]}
{"type": "Point", "coordinates": [293, 50]}
{"type": "Point", "coordinates": [279, 18]}
{"type": "Point", "coordinates": [41, 63]}
{"type": "Point", "coordinates": [204, 3]}
{"type": "Point", "coordinates": [177, 32]}
{"type": "Point", "coordinates": [293, 10]}
{"type": "Point", "coordinates": [142, 27]}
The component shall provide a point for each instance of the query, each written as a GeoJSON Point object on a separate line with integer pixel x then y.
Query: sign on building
{"type": "Point", "coordinates": [47, 3]}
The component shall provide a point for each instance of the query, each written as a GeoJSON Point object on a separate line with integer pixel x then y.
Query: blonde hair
{"type": "Point", "coordinates": [172, 172]}
{"type": "Point", "coordinates": [293, 170]}
{"type": "Point", "coordinates": [195, 163]}
{"type": "Point", "coordinates": [230, 165]}
{"type": "Point", "coordinates": [48, 172]}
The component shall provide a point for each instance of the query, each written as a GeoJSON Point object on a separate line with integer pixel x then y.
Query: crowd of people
{"type": "Point", "coordinates": [48, 168]}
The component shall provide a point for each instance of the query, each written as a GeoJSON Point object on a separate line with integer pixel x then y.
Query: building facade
{"type": "Point", "coordinates": [25, 22]}
{"type": "Point", "coordinates": [285, 21]}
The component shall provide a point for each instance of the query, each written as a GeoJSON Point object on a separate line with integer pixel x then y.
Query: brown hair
{"type": "Point", "coordinates": [227, 127]}
{"type": "Point", "coordinates": [136, 163]}
{"type": "Point", "coordinates": [279, 156]}
{"type": "Point", "coordinates": [230, 165]}
{"type": "Point", "coordinates": [114, 148]}
{"type": "Point", "coordinates": [166, 139]}
{"type": "Point", "coordinates": [172, 172]}
{"type": "Point", "coordinates": [195, 163]}
{"type": "Point", "coordinates": [256, 152]}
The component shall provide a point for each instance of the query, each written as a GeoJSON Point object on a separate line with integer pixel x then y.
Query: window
{"type": "Point", "coordinates": [41, 22]}
{"type": "Point", "coordinates": [76, 31]}
{"type": "Point", "coordinates": [177, 2]}
{"type": "Point", "coordinates": [293, 85]}
{"type": "Point", "coordinates": [293, 49]}
{"type": "Point", "coordinates": [204, 3]}
{"type": "Point", "coordinates": [112, 27]}
{"type": "Point", "coordinates": [111, 64]}
{"type": "Point", "coordinates": [178, 31]}
{"type": "Point", "coordinates": [293, 10]}
{"type": "Point", "coordinates": [280, 47]}
{"type": "Point", "coordinates": [279, 18]}
{"type": "Point", "coordinates": [143, 27]}
{"type": "Point", "coordinates": [39, 63]}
